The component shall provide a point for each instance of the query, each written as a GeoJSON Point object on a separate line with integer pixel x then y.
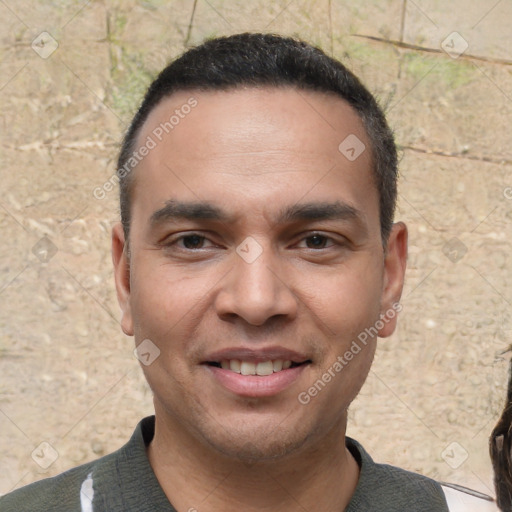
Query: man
{"type": "Point", "coordinates": [256, 263]}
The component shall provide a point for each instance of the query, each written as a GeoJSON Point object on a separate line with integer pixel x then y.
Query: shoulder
{"type": "Point", "coordinates": [62, 493]}
{"type": "Point", "coordinates": [121, 481]}
{"type": "Point", "coordinates": [382, 486]}
{"type": "Point", "coordinates": [386, 487]}
{"type": "Point", "coordinates": [70, 491]}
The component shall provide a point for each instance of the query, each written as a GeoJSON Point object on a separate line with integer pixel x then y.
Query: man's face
{"type": "Point", "coordinates": [254, 239]}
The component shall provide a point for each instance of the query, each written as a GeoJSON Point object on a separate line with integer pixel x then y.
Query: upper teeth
{"type": "Point", "coordinates": [248, 368]}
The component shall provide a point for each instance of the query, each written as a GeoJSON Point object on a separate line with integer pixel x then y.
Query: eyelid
{"type": "Point", "coordinates": [339, 239]}
{"type": "Point", "coordinates": [172, 240]}
{"type": "Point", "coordinates": [180, 234]}
{"type": "Point", "coordinates": [175, 238]}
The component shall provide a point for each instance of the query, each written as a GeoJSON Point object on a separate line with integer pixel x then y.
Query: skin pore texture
{"type": "Point", "coordinates": [261, 163]}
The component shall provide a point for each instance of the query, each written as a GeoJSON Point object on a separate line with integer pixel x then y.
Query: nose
{"type": "Point", "coordinates": [256, 290]}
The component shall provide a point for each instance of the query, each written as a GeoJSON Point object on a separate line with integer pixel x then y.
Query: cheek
{"type": "Point", "coordinates": [352, 304]}
{"type": "Point", "coordinates": [165, 309]}
{"type": "Point", "coordinates": [162, 298]}
{"type": "Point", "coordinates": [348, 301]}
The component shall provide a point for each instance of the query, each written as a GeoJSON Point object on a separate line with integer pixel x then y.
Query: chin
{"type": "Point", "coordinates": [260, 450]}
{"type": "Point", "coordinates": [257, 444]}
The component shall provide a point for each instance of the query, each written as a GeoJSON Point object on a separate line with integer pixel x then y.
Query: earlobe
{"type": "Point", "coordinates": [121, 262]}
{"type": "Point", "coordinates": [395, 263]}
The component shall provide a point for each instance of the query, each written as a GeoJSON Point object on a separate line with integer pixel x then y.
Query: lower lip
{"type": "Point", "coordinates": [255, 386]}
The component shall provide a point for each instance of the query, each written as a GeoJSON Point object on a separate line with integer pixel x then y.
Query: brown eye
{"type": "Point", "coordinates": [316, 242]}
{"type": "Point", "coordinates": [193, 241]}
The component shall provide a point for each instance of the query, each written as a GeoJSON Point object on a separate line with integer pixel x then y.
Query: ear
{"type": "Point", "coordinates": [121, 261]}
{"type": "Point", "coordinates": [395, 262]}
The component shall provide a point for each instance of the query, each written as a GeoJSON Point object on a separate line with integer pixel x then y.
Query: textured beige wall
{"type": "Point", "coordinates": [67, 374]}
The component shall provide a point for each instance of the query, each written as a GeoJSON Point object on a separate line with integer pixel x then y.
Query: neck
{"type": "Point", "coordinates": [193, 475]}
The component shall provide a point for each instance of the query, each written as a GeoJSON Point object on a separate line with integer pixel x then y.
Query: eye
{"type": "Point", "coordinates": [317, 241]}
{"type": "Point", "coordinates": [192, 241]}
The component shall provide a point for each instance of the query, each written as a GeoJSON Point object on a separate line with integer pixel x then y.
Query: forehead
{"type": "Point", "coordinates": [231, 118]}
{"type": "Point", "coordinates": [254, 146]}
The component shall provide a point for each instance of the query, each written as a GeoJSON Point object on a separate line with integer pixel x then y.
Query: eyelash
{"type": "Point", "coordinates": [174, 242]}
{"type": "Point", "coordinates": [183, 237]}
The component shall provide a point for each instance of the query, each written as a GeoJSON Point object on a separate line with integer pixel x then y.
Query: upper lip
{"type": "Point", "coordinates": [256, 355]}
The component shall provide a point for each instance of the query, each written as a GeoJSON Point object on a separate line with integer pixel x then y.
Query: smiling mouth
{"type": "Point", "coordinates": [262, 369]}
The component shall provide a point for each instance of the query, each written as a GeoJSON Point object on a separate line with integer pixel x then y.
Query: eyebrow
{"type": "Point", "coordinates": [320, 211]}
{"type": "Point", "coordinates": [188, 210]}
{"type": "Point", "coordinates": [312, 211]}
